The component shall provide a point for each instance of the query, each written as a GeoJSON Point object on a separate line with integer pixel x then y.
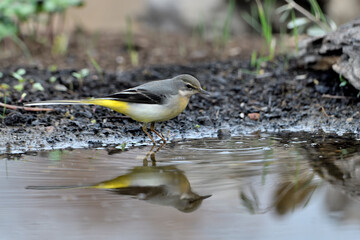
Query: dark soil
{"type": "Point", "coordinates": [286, 98]}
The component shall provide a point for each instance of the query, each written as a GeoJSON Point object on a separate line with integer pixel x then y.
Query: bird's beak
{"type": "Point", "coordinates": [202, 91]}
{"type": "Point", "coordinates": [205, 197]}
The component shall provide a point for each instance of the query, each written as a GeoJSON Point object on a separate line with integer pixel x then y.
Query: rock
{"type": "Point", "coordinates": [338, 50]}
{"type": "Point", "coordinates": [224, 133]}
{"type": "Point", "coordinates": [204, 120]}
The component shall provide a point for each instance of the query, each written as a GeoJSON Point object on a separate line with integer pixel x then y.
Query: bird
{"type": "Point", "coordinates": [151, 102]}
{"type": "Point", "coordinates": [165, 185]}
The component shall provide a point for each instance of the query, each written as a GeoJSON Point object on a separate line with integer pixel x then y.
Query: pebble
{"type": "Point", "coordinates": [224, 133]}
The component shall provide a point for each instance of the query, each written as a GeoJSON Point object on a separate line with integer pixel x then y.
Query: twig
{"type": "Point", "coordinates": [324, 112]}
{"type": "Point", "coordinates": [335, 96]}
{"type": "Point", "coordinates": [31, 109]}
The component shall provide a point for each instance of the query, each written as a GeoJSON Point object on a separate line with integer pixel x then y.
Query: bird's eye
{"type": "Point", "coordinates": [189, 86]}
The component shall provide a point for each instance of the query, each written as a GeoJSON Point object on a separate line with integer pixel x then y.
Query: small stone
{"type": "Point", "coordinates": [242, 115]}
{"type": "Point", "coordinates": [224, 133]}
{"type": "Point", "coordinates": [254, 116]}
{"type": "Point", "coordinates": [49, 129]}
{"type": "Point", "coordinates": [204, 120]}
{"type": "Point", "coordinates": [349, 120]}
{"type": "Point", "coordinates": [60, 88]}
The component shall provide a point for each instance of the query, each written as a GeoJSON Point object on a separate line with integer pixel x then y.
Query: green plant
{"type": "Point", "coordinates": [295, 31]}
{"type": "Point", "coordinates": [314, 22]}
{"type": "Point", "coordinates": [52, 68]}
{"type": "Point", "coordinates": [60, 44]}
{"type": "Point", "coordinates": [260, 20]}
{"type": "Point", "coordinates": [22, 97]}
{"type": "Point", "coordinates": [37, 87]}
{"type": "Point", "coordinates": [252, 18]}
{"type": "Point", "coordinates": [134, 56]}
{"type": "Point", "coordinates": [96, 65]}
{"type": "Point", "coordinates": [81, 75]}
{"type": "Point", "coordinates": [253, 61]}
{"type": "Point", "coordinates": [200, 29]}
{"type": "Point", "coordinates": [343, 82]}
{"type": "Point", "coordinates": [123, 146]}
{"type": "Point", "coordinates": [19, 75]}
{"type": "Point", "coordinates": [17, 15]}
{"type": "Point", "coordinates": [264, 16]}
{"type": "Point", "coordinates": [226, 30]}
{"type": "Point", "coordinates": [52, 79]}
{"type": "Point", "coordinates": [4, 87]}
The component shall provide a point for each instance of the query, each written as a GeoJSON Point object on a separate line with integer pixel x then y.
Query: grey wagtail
{"type": "Point", "coordinates": [151, 102]}
{"type": "Point", "coordinates": [166, 185]}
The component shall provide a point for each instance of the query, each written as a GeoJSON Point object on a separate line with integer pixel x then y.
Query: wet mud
{"type": "Point", "coordinates": [278, 98]}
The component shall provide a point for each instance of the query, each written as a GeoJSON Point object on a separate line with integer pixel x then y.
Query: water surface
{"type": "Point", "coordinates": [249, 187]}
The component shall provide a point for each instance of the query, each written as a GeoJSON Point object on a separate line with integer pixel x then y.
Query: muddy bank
{"type": "Point", "coordinates": [286, 98]}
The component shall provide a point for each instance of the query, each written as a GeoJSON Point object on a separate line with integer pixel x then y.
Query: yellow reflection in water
{"type": "Point", "coordinates": [166, 185]}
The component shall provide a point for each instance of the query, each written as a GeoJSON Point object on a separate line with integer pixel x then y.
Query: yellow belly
{"type": "Point", "coordinates": [145, 112]}
{"type": "Point", "coordinates": [157, 113]}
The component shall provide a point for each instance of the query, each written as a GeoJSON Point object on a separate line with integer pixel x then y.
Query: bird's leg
{"type": "Point", "coordinates": [152, 154]}
{"type": "Point", "coordinates": [152, 128]}
{"type": "Point", "coordinates": [144, 128]}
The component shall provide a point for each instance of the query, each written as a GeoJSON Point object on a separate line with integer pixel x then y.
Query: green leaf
{"type": "Point", "coordinates": [52, 79]}
{"type": "Point", "coordinates": [19, 87]}
{"type": "Point", "coordinates": [21, 71]}
{"type": "Point", "coordinates": [4, 86]}
{"type": "Point", "coordinates": [17, 76]}
{"type": "Point", "coordinates": [49, 6]}
{"type": "Point", "coordinates": [53, 6]}
{"type": "Point", "coordinates": [38, 87]}
{"type": "Point", "coordinates": [76, 75]}
{"type": "Point", "coordinates": [84, 72]}
{"type": "Point", "coordinates": [7, 29]}
{"type": "Point", "coordinates": [24, 10]}
{"type": "Point", "coordinates": [53, 68]}
{"type": "Point", "coordinates": [343, 84]}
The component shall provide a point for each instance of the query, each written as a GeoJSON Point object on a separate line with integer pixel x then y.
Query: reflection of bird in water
{"type": "Point", "coordinates": [166, 186]}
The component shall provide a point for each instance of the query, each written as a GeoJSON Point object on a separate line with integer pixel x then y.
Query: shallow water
{"type": "Point", "coordinates": [262, 187]}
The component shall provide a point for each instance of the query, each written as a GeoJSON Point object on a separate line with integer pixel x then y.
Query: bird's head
{"type": "Point", "coordinates": [189, 85]}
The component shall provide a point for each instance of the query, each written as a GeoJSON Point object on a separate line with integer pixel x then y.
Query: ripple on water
{"type": "Point", "coordinates": [261, 186]}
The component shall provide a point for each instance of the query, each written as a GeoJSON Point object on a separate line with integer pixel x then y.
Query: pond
{"type": "Point", "coordinates": [261, 186]}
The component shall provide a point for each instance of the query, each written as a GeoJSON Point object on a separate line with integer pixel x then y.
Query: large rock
{"type": "Point", "coordinates": [339, 50]}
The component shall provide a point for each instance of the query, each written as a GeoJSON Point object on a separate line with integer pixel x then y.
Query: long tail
{"type": "Point", "coordinates": [57, 187]}
{"type": "Point", "coordinates": [118, 106]}
{"type": "Point", "coordinates": [60, 102]}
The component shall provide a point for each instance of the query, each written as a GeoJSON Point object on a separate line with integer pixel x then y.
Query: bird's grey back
{"type": "Point", "coordinates": [168, 86]}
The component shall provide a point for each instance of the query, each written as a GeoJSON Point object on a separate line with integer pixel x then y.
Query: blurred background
{"type": "Point", "coordinates": [183, 16]}
{"type": "Point", "coordinates": [118, 34]}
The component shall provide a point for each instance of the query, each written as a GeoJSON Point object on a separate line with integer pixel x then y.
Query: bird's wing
{"type": "Point", "coordinates": [137, 95]}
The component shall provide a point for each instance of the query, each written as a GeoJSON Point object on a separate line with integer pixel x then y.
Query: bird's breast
{"type": "Point", "coordinates": [158, 112]}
